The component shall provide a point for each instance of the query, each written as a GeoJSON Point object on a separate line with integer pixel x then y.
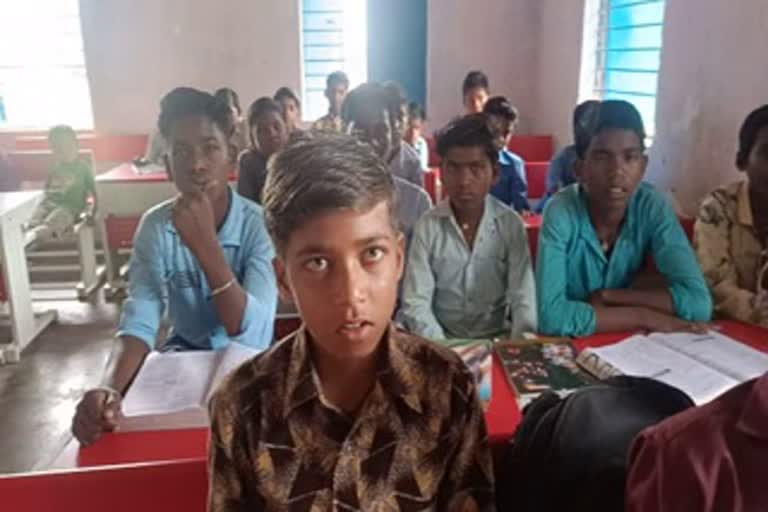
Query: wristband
{"type": "Point", "coordinates": [221, 289]}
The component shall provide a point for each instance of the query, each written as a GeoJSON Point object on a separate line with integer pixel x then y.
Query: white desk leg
{"type": "Point", "coordinates": [25, 326]}
{"type": "Point", "coordinates": [90, 277]}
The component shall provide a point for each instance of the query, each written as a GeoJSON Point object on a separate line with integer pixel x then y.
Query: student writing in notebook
{"type": "Point", "coordinates": [469, 271]}
{"type": "Point", "coordinates": [348, 413]}
{"type": "Point", "coordinates": [204, 256]}
{"type": "Point", "coordinates": [597, 235]}
{"type": "Point", "coordinates": [731, 230]}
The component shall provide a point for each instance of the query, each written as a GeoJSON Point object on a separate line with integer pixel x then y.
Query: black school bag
{"type": "Point", "coordinates": [570, 454]}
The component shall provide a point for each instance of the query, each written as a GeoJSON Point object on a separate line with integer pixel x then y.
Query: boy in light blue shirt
{"type": "Point", "coordinates": [596, 237]}
{"type": "Point", "coordinates": [205, 255]}
{"type": "Point", "coordinates": [469, 272]}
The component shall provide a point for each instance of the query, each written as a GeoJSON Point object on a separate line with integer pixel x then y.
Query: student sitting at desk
{"type": "Point", "coordinates": [469, 271]}
{"type": "Point", "coordinates": [596, 236]}
{"type": "Point", "coordinates": [204, 255]}
{"type": "Point", "coordinates": [348, 413]}
{"type": "Point", "coordinates": [336, 88]}
{"type": "Point", "coordinates": [512, 185]}
{"type": "Point", "coordinates": [268, 136]}
{"type": "Point", "coordinates": [291, 109]}
{"type": "Point", "coordinates": [68, 189]}
{"type": "Point", "coordinates": [731, 230]}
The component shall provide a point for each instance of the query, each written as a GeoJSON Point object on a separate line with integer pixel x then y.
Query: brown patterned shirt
{"type": "Point", "coordinates": [418, 442]}
{"type": "Point", "coordinates": [729, 251]}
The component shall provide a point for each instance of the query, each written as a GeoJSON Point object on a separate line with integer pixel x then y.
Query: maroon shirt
{"type": "Point", "coordinates": [709, 458]}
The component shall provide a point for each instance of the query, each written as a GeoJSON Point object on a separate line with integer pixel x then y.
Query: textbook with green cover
{"type": "Point", "coordinates": [535, 367]}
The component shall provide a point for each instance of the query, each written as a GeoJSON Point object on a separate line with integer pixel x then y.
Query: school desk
{"type": "Point", "coordinates": [16, 208]}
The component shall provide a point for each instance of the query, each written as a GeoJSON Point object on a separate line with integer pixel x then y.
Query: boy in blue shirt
{"type": "Point", "coordinates": [205, 255]}
{"type": "Point", "coordinates": [512, 186]}
{"type": "Point", "coordinates": [561, 172]}
{"type": "Point", "coordinates": [597, 234]}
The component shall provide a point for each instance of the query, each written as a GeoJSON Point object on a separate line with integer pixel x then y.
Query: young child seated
{"type": "Point", "coordinates": [347, 413]}
{"type": "Point", "coordinates": [240, 134]}
{"type": "Point", "coordinates": [474, 92]}
{"type": "Point", "coordinates": [204, 256]}
{"type": "Point", "coordinates": [731, 230]}
{"type": "Point", "coordinates": [68, 189]}
{"type": "Point", "coordinates": [336, 88]}
{"type": "Point", "coordinates": [291, 108]}
{"type": "Point", "coordinates": [413, 136]}
{"type": "Point", "coordinates": [268, 136]}
{"type": "Point", "coordinates": [469, 271]}
{"type": "Point", "coordinates": [372, 114]}
{"type": "Point", "coordinates": [512, 186]}
{"type": "Point", "coordinates": [561, 170]}
{"type": "Point", "coordinates": [596, 237]}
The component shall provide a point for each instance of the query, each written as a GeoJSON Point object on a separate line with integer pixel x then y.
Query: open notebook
{"type": "Point", "coordinates": [172, 389]}
{"type": "Point", "coordinates": [702, 365]}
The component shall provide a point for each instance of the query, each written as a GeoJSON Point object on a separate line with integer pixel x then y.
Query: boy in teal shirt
{"type": "Point", "coordinates": [597, 234]}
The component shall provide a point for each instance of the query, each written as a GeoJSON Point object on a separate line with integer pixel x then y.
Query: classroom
{"type": "Point", "coordinates": [383, 255]}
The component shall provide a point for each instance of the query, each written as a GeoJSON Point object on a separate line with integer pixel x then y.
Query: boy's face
{"type": "Point", "coordinates": [474, 100]}
{"type": "Point", "coordinates": [336, 96]}
{"type": "Point", "coordinates": [65, 149]}
{"type": "Point", "coordinates": [291, 113]}
{"type": "Point", "coordinates": [612, 168]}
{"type": "Point", "coordinates": [375, 128]}
{"type": "Point", "coordinates": [341, 270]}
{"type": "Point", "coordinates": [757, 164]}
{"type": "Point", "coordinates": [199, 157]}
{"type": "Point", "coordinates": [502, 129]}
{"type": "Point", "coordinates": [468, 176]}
{"type": "Point", "coordinates": [270, 133]}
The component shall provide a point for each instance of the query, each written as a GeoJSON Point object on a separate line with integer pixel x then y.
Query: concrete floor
{"type": "Point", "coordinates": [38, 395]}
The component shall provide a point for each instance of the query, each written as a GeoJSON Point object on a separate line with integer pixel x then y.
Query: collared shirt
{"type": "Point", "coordinates": [418, 441]}
{"type": "Point", "coordinates": [405, 164]}
{"type": "Point", "coordinates": [251, 174]}
{"type": "Point", "coordinates": [729, 251]}
{"type": "Point", "coordinates": [412, 203]}
{"type": "Point", "coordinates": [709, 459]}
{"type": "Point", "coordinates": [452, 291]}
{"type": "Point", "coordinates": [164, 272]}
{"type": "Point", "coordinates": [512, 187]}
{"type": "Point", "coordinates": [328, 123]}
{"type": "Point", "coordinates": [561, 172]}
{"type": "Point", "coordinates": [571, 264]}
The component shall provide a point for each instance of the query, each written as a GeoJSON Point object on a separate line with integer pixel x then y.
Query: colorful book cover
{"type": "Point", "coordinates": [478, 356]}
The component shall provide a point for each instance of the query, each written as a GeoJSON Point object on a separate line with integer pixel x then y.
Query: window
{"type": "Point", "coordinates": [629, 52]}
{"type": "Point", "coordinates": [334, 38]}
{"type": "Point", "coordinates": [42, 66]}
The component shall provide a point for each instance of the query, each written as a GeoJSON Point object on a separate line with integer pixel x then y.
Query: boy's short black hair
{"type": "Point", "coordinates": [337, 78]}
{"type": "Point", "coordinates": [468, 131]}
{"type": "Point", "coordinates": [473, 80]}
{"type": "Point", "coordinates": [755, 121]}
{"type": "Point", "coordinates": [317, 174]}
{"type": "Point", "coordinates": [284, 93]}
{"type": "Point", "coordinates": [610, 115]}
{"type": "Point", "coordinates": [416, 111]}
{"type": "Point", "coordinates": [61, 132]}
{"type": "Point", "coordinates": [501, 106]}
{"type": "Point", "coordinates": [229, 97]}
{"type": "Point", "coordinates": [187, 101]}
{"type": "Point", "coordinates": [261, 106]}
{"type": "Point", "coordinates": [373, 96]}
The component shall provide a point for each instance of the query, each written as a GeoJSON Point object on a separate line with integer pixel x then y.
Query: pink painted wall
{"type": "Point", "coordinates": [713, 72]}
{"type": "Point", "coordinates": [499, 37]}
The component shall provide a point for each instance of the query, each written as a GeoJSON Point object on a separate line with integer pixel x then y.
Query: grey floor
{"type": "Point", "coordinates": [38, 394]}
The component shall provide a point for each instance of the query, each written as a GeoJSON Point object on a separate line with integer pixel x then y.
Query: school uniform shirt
{"type": "Point", "coordinates": [418, 442]}
{"type": "Point", "coordinates": [251, 174]}
{"type": "Point", "coordinates": [512, 187]}
{"type": "Point", "coordinates": [571, 264]}
{"type": "Point", "coordinates": [730, 251]}
{"type": "Point", "coordinates": [708, 459]}
{"type": "Point", "coordinates": [328, 123]}
{"type": "Point", "coordinates": [405, 164]}
{"type": "Point", "coordinates": [561, 172]}
{"type": "Point", "coordinates": [452, 291]}
{"type": "Point", "coordinates": [165, 274]}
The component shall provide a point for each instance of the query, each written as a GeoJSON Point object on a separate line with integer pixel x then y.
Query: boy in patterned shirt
{"type": "Point", "coordinates": [347, 413]}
